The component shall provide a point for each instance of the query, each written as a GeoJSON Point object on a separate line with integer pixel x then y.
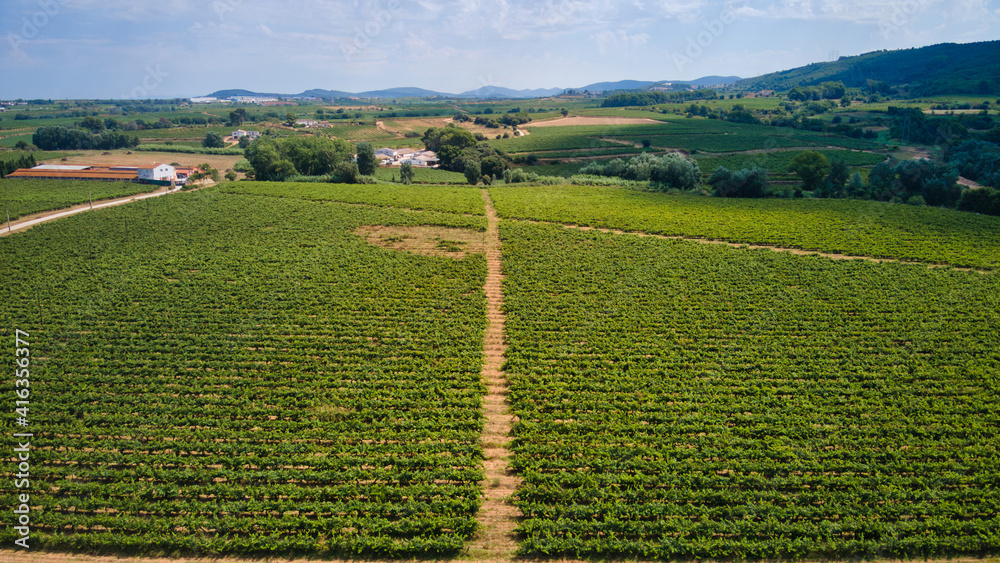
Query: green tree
{"type": "Point", "coordinates": [473, 172]}
{"type": "Point", "coordinates": [213, 140]}
{"type": "Point", "coordinates": [367, 163]}
{"type": "Point", "coordinates": [231, 175]}
{"type": "Point", "coordinates": [93, 124]}
{"type": "Point", "coordinates": [493, 166]}
{"type": "Point", "coordinates": [836, 179]}
{"type": "Point", "coordinates": [406, 173]}
{"type": "Point", "coordinates": [564, 112]}
{"type": "Point", "coordinates": [812, 167]}
{"type": "Point", "coordinates": [747, 182]}
{"type": "Point", "coordinates": [290, 119]}
{"type": "Point", "coordinates": [437, 138]}
{"type": "Point", "coordinates": [237, 117]}
{"type": "Point", "coordinates": [346, 172]}
{"type": "Point", "coordinates": [855, 187]}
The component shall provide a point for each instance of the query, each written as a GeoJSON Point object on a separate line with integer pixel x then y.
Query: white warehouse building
{"type": "Point", "coordinates": [158, 173]}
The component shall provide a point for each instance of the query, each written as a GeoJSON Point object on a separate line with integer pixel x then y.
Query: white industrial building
{"type": "Point", "coordinates": [158, 173]}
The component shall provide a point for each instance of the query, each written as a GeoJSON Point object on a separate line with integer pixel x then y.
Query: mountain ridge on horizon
{"type": "Point", "coordinates": [484, 92]}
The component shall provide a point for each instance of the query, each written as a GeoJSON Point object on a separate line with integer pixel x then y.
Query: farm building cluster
{"type": "Point", "coordinates": [399, 157]}
{"type": "Point", "coordinates": [157, 173]}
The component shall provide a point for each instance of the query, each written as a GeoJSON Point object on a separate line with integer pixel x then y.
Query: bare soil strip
{"type": "Point", "coordinates": [429, 241]}
{"type": "Point", "coordinates": [498, 516]}
{"type": "Point", "coordinates": [796, 251]}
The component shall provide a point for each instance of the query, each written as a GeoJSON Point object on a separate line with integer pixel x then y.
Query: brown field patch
{"type": "Point", "coordinates": [141, 158]}
{"type": "Point", "coordinates": [429, 241]}
{"type": "Point", "coordinates": [595, 120]}
{"type": "Point", "coordinates": [401, 126]}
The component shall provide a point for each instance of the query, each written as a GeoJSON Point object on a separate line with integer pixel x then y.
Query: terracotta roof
{"type": "Point", "coordinates": [104, 174]}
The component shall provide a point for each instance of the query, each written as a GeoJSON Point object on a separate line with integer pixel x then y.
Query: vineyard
{"type": "Point", "coordinates": [422, 175]}
{"type": "Point", "coordinates": [221, 373]}
{"type": "Point", "coordinates": [467, 200]}
{"type": "Point", "coordinates": [777, 162]}
{"type": "Point", "coordinates": [280, 369]}
{"type": "Point", "coordinates": [675, 133]}
{"type": "Point", "coordinates": [858, 228]}
{"type": "Point", "coordinates": [24, 197]}
{"type": "Point", "coordinates": [686, 401]}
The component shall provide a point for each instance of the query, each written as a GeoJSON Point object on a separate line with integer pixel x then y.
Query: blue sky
{"type": "Point", "coordinates": [179, 48]}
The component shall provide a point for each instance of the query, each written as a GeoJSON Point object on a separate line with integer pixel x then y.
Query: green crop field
{"type": "Point", "coordinates": [777, 162]}
{"type": "Point", "coordinates": [223, 373]}
{"type": "Point", "coordinates": [24, 197]}
{"type": "Point", "coordinates": [449, 199]}
{"type": "Point", "coordinates": [422, 175]}
{"type": "Point", "coordinates": [860, 228]}
{"type": "Point", "coordinates": [733, 144]}
{"type": "Point", "coordinates": [237, 371]}
{"type": "Point", "coordinates": [684, 401]}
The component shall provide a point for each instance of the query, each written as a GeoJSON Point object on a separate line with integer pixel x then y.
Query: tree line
{"type": "Point", "coordinates": [64, 138]}
{"type": "Point", "coordinates": [8, 166]}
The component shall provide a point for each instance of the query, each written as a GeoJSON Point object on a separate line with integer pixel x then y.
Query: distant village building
{"type": "Point", "coordinates": [251, 99]}
{"type": "Point", "coordinates": [308, 123]}
{"type": "Point", "coordinates": [203, 100]}
{"type": "Point", "coordinates": [239, 134]}
{"type": "Point", "coordinates": [414, 157]}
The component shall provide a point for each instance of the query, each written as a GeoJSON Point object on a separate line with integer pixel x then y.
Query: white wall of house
{"type": "Point", "coordinates": [159, 172]}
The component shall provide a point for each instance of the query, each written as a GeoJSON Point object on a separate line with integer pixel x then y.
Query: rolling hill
{"type": "Point", "coordinates": [484, 92]}
{"type": "Point", "coordinates": [948, 68]}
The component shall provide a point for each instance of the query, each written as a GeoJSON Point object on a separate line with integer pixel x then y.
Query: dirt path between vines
{"type": "Point", "coordinates": [498, 515]}
{"type": "Point", "coordinates": [25, 222]}
{"type": "Point", "coordinates": [796, 251]}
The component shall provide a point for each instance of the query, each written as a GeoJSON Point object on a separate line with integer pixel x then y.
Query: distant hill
{"type": "Point", "coordinates": [948, 68]}
{"type": "Point", "coordinates": [620, 85]}
{"type": "Point", "coordinates": [484, 92]}
{"type": "Point", "coordinates": [507, 93]}
{"type": "Point", "coordinates": [713, 81]}
{"type": "Point", "coordinates": [403, 93]}
{"type": "Point", "coordinates": [325, 94]}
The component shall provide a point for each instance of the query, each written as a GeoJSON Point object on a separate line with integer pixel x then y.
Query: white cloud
{"type": "Point", "coordinates": [619, 41]}
{"type": "Point", "coordinates": [686, 11]}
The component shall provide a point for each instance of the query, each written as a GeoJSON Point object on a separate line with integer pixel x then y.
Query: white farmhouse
{"type": "Point", "coordinates": [391, 153]}
{"type": "Point", "coordinates": [239, 134]}
{"type": "Point", "coordinates": [158, 173]}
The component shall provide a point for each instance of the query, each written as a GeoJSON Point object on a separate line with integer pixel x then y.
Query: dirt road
{"type": "Point", "coordinates": [28, 221]}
